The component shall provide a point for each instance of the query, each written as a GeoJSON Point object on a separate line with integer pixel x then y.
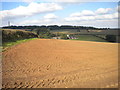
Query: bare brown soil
{"type": "Point", "coordinates": [45, 63]}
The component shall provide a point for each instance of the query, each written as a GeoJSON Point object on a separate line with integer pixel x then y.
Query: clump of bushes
{"type": "Point", "coordinates": [11, 35]}
{"type": "Point", "coordinates": [111, 38]}
{"type": "Point", "coordinates": [44, 33]}
{"type": "Point", "coordinates": [64, 36]}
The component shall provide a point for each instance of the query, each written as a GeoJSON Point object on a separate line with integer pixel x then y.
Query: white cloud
{"type": "Point", "coordinates": [50, 16]}
{"type": "Point", "coordinates": [31, 9]}
{"type": "Point", "coordinates": [100, 23]}
{"type": "Point", "coordinates": [106, 20]}
{"type": "Point", "coordinates": [36, 22]}
{"type": "Point", "coordinates": [93, 18]}
{"type": "Point", "coordinates": [104, 17]}
{"type": "Point", "coordinates": [47, 19]}
{"type": "Point", "coordinates": [95, 23]}
{"type": "Point", "coordinates": [82, 18]}
{"type": "Point", "coordinates": [86, 15]}
{"type": "Point", "coordinates": [83, 13]}
{"type": "Point", "coordinates": [103, 10]}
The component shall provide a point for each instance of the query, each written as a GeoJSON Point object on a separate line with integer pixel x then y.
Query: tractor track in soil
{"type": "Point", "coordinates": [45, 63]}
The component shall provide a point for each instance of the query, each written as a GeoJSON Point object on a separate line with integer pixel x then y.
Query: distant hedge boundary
{"type": "Point", "coordinates": [13, 35]}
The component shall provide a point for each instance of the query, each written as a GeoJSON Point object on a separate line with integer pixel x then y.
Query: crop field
{"type": "Point", "coordinates": [51, 63]}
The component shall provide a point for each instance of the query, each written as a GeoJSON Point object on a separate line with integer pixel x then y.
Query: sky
{"type": "Point", "coordinates": [60, 12]}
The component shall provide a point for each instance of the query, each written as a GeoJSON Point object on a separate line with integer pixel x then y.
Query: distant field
{"type": "Point", "coordinates": [89, 35]}
{"type": "Point", "coordinates": [97, 32]}
{"type": "Point", "coordinates": [14, 29]}
{"type": "Point", "coordinates": [89, 38]}
{"type": "Point", "coordinates": [65, 31]}
{"type": "Point", "coordinates": [13, 34]}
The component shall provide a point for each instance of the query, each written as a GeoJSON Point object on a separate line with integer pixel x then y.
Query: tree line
{"type": "Point", "coordinates": [54, 27]}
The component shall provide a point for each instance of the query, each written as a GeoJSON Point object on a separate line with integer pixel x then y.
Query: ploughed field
{"type": "Point", "coordinates": [45, 63]}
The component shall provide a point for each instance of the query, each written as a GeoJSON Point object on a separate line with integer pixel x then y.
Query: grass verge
{"type": "Point", "coordinates": [9, 44]}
